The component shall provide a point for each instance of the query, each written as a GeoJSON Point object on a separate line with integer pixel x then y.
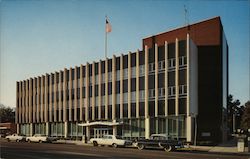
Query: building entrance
{"type": "Point", "coordinates": [99, 132]}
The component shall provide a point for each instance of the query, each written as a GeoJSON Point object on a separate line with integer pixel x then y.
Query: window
{"type": "Point", "coordinates": [171, 91]}
{"type": "Point", "coordinates": [125, 73]}
{"type": "Point", "coordinates": [182, 89]}
{"type": "Point", "coordinates": [161, 65]}
{"type": "Point", "coordinates": [133, 72]}
{"type": "Point", "coordinates": [183, 61]}
{"type": "Point", "coordinates": [151, 93]}
{"type": "Point", "coordinates": [110, 77]}
{"type": "Point", "coordinates": [142, 95]}
{"type": "Point", "coordinates": [96, 79]}
{"type": "Point", "coordinates": [103, 78]}
{"type": "Point", "coordinates": [171, 63]}
{"type": "Point", "coordinates": [161, 92]}
{"type": "Point", "coordinates": [110, 100]}
{"type": "Point", "coordinates": [117, 99]}
{"type": "Point", "coordinates": [141, 70]}
{"type": "Point", "coordinates": [90, 80]}
{"type": "Point", "coordinates": [103, 100]}
{"type": "Point", "coordinates": [133, 97]}
{"type": "Point", "coordinates": [125, 97]}
{"type": "Point", "coordinates": [151, 67]}
{"type": "Point", "coordinates": [117, 75]}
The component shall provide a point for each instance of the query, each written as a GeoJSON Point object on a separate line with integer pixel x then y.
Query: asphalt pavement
{"type": "Point", "coordinates": [24, 150]}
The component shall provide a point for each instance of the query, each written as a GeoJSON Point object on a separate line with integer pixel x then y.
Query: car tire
{"type": "Point", "coordinates": [28, 141]}
{"type": "Point", "coordinates": [40, 141]}
{"type": "Point", "coordinates": [95, 143]}
{"type": "Point", "coordinates": [114, 145]}
{"type": "Point", "coordinates": [141, 146]}
{"type": "Point", "coordinates": [17, 140]}
{"type": "Point", "coordinates": [8, 140]}
{"type": "Point", "coordinates": [168, 148]}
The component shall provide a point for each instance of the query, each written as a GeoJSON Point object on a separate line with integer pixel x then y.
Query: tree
{"type": "Point", "coordinates": [234, 113]}
{"type": "Point", "coordinates": [7, 114]}
{"type": "Point", "coordinates": [245, 121]}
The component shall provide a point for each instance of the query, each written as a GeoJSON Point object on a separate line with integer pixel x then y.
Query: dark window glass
{"type": "Point", "coordinates": [171, 107]}
{"type": "Point", "coordinates": [141, 58]}
{"type": "Point", "coordinates": [125, 61]}
{"type": "Point", "coordinates": [83, 92]}
{"type": "Point", "coordinates": [90, 113]}
{"type": "Point", "coordinates": [182, 77]}
{"type": "Point", "coordinates": [83, 71]}
{"type": "Point", "coordinates": [110, 65]}
{"type": "Point", "coordinates": [182, 105]}
{"type": "Point", "coordinates": [109, 88]}
{"type": "Point", "coordinates": [90, 91]}
{"type": "Point", "coordinates": [161, 53]}
{"type": "Point", "coordinates": [78, 114]}
{"type": "Point", "coordinates": [78, 93]}
{"type": "Point", "coordinates": [67, 75]}
{"type": "Point", "coordinates": [61, 76]}
{"type": "Point", "coordinates": [133, 84]}
{"type": "Point", "coordinates": [109, 111]}
{"type": "Point", "coordinates": [171, 78]}
{"type": "Point", "coordinates": [182, 48]}
{"type": "Point", "coordinates": [90, 70]}
{"type": "Point", "coordinates": [125, 110]}
{"type": "Point", "coordinates": [133, 109]}
{"type": "Point", "coordinates": [117, 66]}
{"type": "Point", "coordinates": [96, 68]}
{"type": "Point", "coordinates": [52, 76]}
{"type": "Point", "coordinates": [161, 107]}
{"type": "Point", "coordinates": [96, 90]}
{"type": "Point", "coordinates": [151, 55]}
{"type": "Point", "coordinates": [161, 80]}
{"type": "Point", "coordinates": [151, 81]}
{"type": "Point", "coordinates": [125, 86]}
{"type": "Point", "coordinates": [141, 83]}
{"type": "Point", "coordinates": [103, 67]}
{"type": "Point", "coordinates": [151, 108]}
{"type": "Point", "coordinates": [96, 112]}
{"type": "Point", "coordinates": [117, 87]}
{"type": "Point", "coordinates": [117, 111]}
{"type": "Point", "coordinates": [102, 112]}
{"type": "Point", "coordinates": [78, 72]}
{"type": "Point", "coordinates": [171, 50]}
{"type": "Point", "coordinates": [103, 89]}
{"type": "Point", "coordinates": [133, 59]}
{"type": "Point", "coordinates": [73, 74]}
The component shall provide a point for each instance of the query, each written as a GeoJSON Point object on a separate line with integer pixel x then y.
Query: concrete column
{"type": "Point", "coordinates": [70, 94]}
{"type": "Point", "coordinates": [176, 77]}
{"type": "Point", "coordinates": [113, 88]}
{"type": "Point", "coordinates": [121, 86]}
{"type": "Point", "coordinates": [129, 85]}
{"type": "Point", "coordinates": [188, 77]}
{"type": "Point", "coordinates": [189, 128]}
{"type": "Point", "coordinates": [46, 99]}
{"type": "Point", "coordinates": [60, 97]}
{"type": "Point", "coordinates": [166, 79]}
{"type": "Point", "coordinates": [156, 82]}
{"type": "Point", "coordinates": [114, 128]}
{"type": "Point", "coordinates": [31, 129]}
{"type": "Point", "coordinates": [17, 101]}
{"type": "Point", "coordinates": [147, 127]}
{"type": "Point", "coordinates": [65, 129]}
{"type": "Point", "coordinates": [137, 85]}
{"type": "Point", "coordinates": [65, 95]}
{"type": "Point", "coordinates": [87, 92]}
{"type": "Point", "coordinates": [75, 94]}
{"type": "Point", "coordinates": [42, 108]}
{"type": "Point", "coordinates": [147, 119]}
{"type": "Point", "coordinates": [27, 112]}
{"type": "Point", "coordinates": [35, 109]}
{"type": "Point", "coordinates": [23, 101]}
{"type": "Point", "coordinates": [99, 88]}
{"type": "Point", "coordinates": [81, 85]}
{"type": "Point", "coordinates": [31, 111]}
{"type": "Point", "coordinates": [55, 96]}
{"type": "Point", "coordinates": [20, 104]}
{"type": "Point", "coordinates": [50, 98]}
{"type": "Point", "coordinates": [106, 88]}
{"type": "Point", "coordinates": [18, 128]}
{"type": "Point", "coordinates": [93, 91]}
{"type": "Point", "coordinates": [47, 129]}
{"type": "Point", "coordinates": [88, 133]}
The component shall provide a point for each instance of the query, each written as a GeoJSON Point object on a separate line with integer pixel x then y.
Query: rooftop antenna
{"type": "Point", "coordinates": [186, 16]}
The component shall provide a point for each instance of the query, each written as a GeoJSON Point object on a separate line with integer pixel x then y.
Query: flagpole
{"type": "Point", "coordinates": [106, 41]}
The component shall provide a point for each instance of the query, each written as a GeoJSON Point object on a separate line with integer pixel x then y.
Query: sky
{"type": "Point", "coordinates": [44, 36]}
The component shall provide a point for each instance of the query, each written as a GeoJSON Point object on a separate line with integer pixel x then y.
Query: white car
{"type": "Point", "coordinates": [40, 138]}
{"type": "Point", "coordinates": [15, 137]}
{"type": "Point", "coordinates": [110, 140]}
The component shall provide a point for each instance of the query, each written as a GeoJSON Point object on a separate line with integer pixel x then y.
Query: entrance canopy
{"type": "Point", "coordinates": [105, 123]}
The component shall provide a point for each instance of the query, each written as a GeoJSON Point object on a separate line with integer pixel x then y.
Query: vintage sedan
{"type": "Point", "coordinates": [15, 137]}
{"type": "Point", "coordinates": [110, 140]}
{"type": "Point", "coordinates": [40, 138]}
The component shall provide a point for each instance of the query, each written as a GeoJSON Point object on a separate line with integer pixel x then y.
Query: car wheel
{"type": "Point", "coordinates": [95, 143]}
{"type": "Point", "coordinates": [114, 145]}
{"type": "Point", "coordinates": [29, 141]}
{"type": "Point", "coordinates": [140, 146]}
{"type": "Point", "coordinates": [17, 140]}
{"type": "Point", "coordinates": [8, 140]}
{"type": "Point", "coordinates": [40, 141]}
{"type": "Point", "coordinates": [168, 148]}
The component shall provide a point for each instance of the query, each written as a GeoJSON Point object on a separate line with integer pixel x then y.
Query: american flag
{"type": "Point", "coordinates": [108, 26]}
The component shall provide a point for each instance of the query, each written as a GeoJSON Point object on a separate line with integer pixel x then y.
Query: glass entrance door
{"type": "Point", "coordinates": [99, 132]}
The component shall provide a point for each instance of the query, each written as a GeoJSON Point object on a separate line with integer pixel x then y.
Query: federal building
{"type": "Point", "coordinates": [177, 84]}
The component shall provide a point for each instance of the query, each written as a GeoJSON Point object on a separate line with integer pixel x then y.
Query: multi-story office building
{"type": "Point", "coordinates": [178, 82]}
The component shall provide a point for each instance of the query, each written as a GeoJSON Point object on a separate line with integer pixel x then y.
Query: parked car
{"type": "Point", "coordinates": [159, 141]}
{"type": "Point", "coordinates": [40, 138]}
{"type": "Point", "coordinates": [110, 140]}
{"type": "Point", "coordinates": [15, 137]}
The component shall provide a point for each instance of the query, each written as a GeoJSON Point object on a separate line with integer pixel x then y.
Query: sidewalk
{"type": "Point", "coordinates": [228, 147]}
